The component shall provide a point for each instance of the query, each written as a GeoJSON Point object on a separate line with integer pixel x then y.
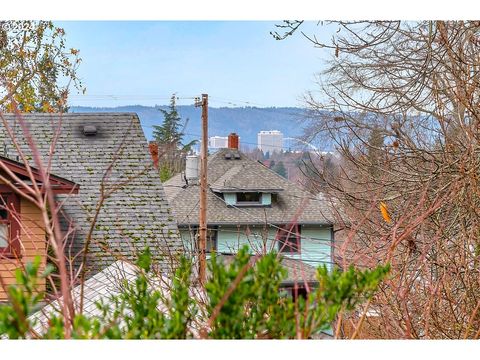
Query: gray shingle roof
{"type": "Point", "coordinates": [234, 180]}
{"type": "Point", "coordinates": [136, 213]}
{"type": "Point", "coordinates": [290, 203]}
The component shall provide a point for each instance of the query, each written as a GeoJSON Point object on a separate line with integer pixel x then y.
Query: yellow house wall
{"type": "Point", "coordinates": [33, 243]}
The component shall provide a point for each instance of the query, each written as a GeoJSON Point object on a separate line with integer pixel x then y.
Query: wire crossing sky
{"type": "Point", "coordinates": [144, 62]}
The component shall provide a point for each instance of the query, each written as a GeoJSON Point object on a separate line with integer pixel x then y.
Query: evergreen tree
{"type": "Point", "coordinates": [169, 137]}
{"type": "Point", "coordinates": [169, 132]}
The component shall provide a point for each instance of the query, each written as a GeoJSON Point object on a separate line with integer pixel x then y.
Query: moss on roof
{"type": "Point", "coordinates": [136, 214]}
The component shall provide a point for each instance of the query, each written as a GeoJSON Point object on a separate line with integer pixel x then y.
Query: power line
{"type": "Point", "coordinates": [233, 102]}
{"type": "Point", "coordinates": [198, 137]}
{"type": "Point", "coordinates": [128, 97]}
{"type": "Point", "coordinates": [271, 109]}
{"type": "Point", "coordinates": [164, 97]}
{"type": "Point", "coordinates": [161, 97]}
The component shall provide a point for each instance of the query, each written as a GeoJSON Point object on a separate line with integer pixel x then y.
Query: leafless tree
{"type": "Point", "coordinates": [400, 101]}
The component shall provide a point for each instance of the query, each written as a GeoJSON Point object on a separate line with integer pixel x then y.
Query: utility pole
{"type": "Point", "coordinates": [202, 239]}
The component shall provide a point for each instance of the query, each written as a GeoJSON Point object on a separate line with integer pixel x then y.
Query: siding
{"type": "Point", "coordinates": [316, 242]}
{"type": "Point", "coordinates": [230, 198]}
{"type": "Point", "coordinates": [32, 243]}
{"type": "Point", "coordinates": [266, 199]}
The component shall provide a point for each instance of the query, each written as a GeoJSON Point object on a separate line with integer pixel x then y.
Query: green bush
{"type": "Point", "coordinates": [242, 301]}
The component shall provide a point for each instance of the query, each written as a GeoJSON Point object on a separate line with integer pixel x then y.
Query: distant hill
{"type": "Point", "coordinates": [245, 121]}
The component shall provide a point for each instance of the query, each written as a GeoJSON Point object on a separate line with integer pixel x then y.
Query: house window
{"type": "Point", "coordinates": [4, 228]}
{"type": "Point", "coordinates": [295, 292]}
{"type": "Point", "coordinates": [288, 239]}
{"type": "Point", "coordinates": [211, 239]}
{"type": "Point", "coordinates": [9, 227]}
{"type": "Point", "coordinates": [249, 198]}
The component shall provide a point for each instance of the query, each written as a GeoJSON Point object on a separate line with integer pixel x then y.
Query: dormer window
{"type": "Point", "coordinates": [240, 186]}
{"type": "Point", "coordinates": [249, 198]}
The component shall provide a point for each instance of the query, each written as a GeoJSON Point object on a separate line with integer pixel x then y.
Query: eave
{"type": "Point", "coordinates": [253, 223]}
{"type": "Point", "coordinates": [245, 190]}
{"type": "Point", "coordinates": [58, 184]}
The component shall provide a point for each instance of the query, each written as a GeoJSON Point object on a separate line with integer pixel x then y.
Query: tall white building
{"type": "Point", "coordinates": [270, 141]}
{"type": "Point", "coordinates": [218, 142]}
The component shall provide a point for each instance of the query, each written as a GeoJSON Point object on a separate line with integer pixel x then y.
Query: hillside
{"type": "Point", "coordinates": [246, 121]}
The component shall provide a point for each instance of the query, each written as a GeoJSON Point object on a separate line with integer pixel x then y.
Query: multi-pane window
{"type": "Point", "coordinates": [9, 227]}
{"type": "Point", "coordinates": [288, 239]}
{"type": "Point", "coordinates": [249, 198]}
{"type": "Point", "coordinates": [4, 224]}
{"type": "Point", "coordinates": [211, 238]}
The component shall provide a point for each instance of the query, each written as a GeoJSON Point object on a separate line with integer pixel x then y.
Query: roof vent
{"type": "Point", "coordinates": [236, 156]}
{"type": "Point", "coordinates": [228, 156]}
{"type": "Point", "coordinates": [89, 130]}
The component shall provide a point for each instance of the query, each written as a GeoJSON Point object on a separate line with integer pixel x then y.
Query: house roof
{"type": "Point", "coordinates": [298, 272]}
{"type": "Point", "coordinates": [101, 287]}
{"type": "Point", "coordinates": [58, 184]}
{"type": "Point", "coordinates": [111, 281]}
{"type": "Point", "coordinates": [107, 285]}
{"type": "Point", "coordinates": [236, 179]}
{"type": "Point", "coordinates": [243, 174]}
{"type": "Point", "coordinates": [135, 214]}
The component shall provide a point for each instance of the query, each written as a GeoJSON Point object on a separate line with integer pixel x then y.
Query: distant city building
{"type": "Point", "coordinates": [218, 142]}
{"type": "Point", "coordinates": [270, 141]}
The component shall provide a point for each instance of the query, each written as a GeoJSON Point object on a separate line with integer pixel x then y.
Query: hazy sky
{"type": "Point", "coordinates": [238, 63]}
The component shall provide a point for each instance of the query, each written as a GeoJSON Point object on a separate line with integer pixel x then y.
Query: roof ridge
{"type": "Point", "coordinates": [281, 178]}
{"type": "Point", "coordinates": [245, 159]}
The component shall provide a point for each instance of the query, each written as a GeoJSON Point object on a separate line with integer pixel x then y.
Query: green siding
{"type": "Point", "coordinates": [258, 238]}
{"type": "Point", "coordinates": [230, 198]}
{"type": "Point", "coordinates": [315, 248]}
{"type": "Point", "coordinates": [188, 237]}
{"type": "Point", "coordinates": [266, 199]}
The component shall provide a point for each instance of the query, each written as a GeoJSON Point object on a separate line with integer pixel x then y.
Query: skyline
{"type": "Point", "coordinates": [238, 63]}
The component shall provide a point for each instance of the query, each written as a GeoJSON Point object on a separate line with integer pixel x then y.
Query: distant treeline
{"type": "Point", "coordinates": [245, 121]}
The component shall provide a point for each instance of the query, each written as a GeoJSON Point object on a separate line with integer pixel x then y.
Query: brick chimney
{"type": "Point", "coordinates": [233, 141]}
{"type": "Point", "coordinates": [153, 147]}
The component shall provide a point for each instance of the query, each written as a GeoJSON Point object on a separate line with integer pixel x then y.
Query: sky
{"type": "Point", "coordinates": [238, 63]}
